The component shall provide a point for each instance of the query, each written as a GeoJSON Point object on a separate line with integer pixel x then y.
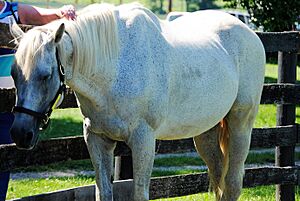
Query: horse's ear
{"type": "Point", "coordinates": [59, 33]}
{"type": "Point", "coordinates": [16, 32]}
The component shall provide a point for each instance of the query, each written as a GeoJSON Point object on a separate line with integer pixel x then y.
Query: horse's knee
{"type": "Point", "coordinates": [232, 191]}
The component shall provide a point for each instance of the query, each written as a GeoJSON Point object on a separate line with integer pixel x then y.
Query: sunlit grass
{"type": "Point", "coordinates": [252, 194]}
{"type": "Point", "coordinates": [64, 122]}
{"type": "Point", "coordinates": [28, 187]}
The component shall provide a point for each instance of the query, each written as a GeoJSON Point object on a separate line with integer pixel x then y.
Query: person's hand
{"type": "Point", "coordinates": [67, 11]}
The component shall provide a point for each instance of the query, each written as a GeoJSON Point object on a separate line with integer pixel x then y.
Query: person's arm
{"type": "Point", "coordinates": [38, 16]}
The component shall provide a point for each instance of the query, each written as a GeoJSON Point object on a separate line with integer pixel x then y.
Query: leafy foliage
{"type": "Point", "coordinates": [273, 15]}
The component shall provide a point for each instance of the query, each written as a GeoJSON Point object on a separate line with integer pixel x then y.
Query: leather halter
{"type": "Point", "coordinates": [45, 117]}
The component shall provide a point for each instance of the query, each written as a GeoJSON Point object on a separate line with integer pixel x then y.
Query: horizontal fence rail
{"type": "Point", "coordinates": [280, 41]}
{"type": "Point", "coordinates": [74, 148]}
{"type": "Point", "coordinates": [175, 186]}
{"type": "Point", "coordinates": [272, 94]}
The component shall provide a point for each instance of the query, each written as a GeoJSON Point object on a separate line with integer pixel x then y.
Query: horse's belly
{"type": "Point", "coordinates": [195, 109]}
{"type": "Point", "coordinates": [180, 127]}
{"type": "Point", "coordinates": [185, 124]}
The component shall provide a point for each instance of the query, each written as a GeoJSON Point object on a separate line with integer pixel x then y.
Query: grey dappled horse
{"type": "Point", "coordinates": [138, 79]}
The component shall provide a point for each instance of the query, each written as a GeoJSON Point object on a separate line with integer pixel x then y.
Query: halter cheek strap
{"type": "Point", "coordinates": [45, 117]}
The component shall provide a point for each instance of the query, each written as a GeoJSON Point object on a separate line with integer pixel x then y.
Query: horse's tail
{"type": "Point", "coordinates": [223, 142]}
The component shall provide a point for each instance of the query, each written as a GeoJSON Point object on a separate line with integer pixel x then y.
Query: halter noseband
{"type": "Point", "coordinates": [45, 117]}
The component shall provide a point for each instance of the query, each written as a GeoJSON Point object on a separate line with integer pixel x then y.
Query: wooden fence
{"type": "Point", "coordinates": [284, 137]}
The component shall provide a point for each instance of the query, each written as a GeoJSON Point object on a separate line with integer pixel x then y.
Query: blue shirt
{"type": "Point", "coordinates": [7, 55]}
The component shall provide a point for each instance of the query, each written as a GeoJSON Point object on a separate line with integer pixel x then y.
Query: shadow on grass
{"type": "Point", "coordinates": [270, 79]}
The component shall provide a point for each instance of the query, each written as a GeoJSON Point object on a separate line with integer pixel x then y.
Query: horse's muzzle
{"type": "Point", "coordinates": [24, 136]}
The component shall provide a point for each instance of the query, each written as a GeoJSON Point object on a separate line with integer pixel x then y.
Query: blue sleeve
{"type": "Point", "coordinates": [6, 62]}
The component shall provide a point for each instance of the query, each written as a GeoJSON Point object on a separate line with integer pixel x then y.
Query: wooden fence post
{"type": "Point", "coordinates": [286, 115]}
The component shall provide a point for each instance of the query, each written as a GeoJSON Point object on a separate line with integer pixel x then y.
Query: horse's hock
{"type": "Point", "coordinates": [286, 94]}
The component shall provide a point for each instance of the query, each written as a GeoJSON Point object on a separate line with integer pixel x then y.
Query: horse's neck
{"type": "Point", "coordinates": [86, 87]}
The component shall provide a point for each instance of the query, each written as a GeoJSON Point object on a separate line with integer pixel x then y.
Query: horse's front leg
{"type": "Point", "coordinates": [101, 152]}
{"type": "Point", "coordinates": [142, 144]}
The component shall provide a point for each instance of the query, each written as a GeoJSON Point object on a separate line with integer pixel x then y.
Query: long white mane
{"type": "Point", "coordinates": [95, 39]}
{"type": "Point", "coordinates": [94, 36]}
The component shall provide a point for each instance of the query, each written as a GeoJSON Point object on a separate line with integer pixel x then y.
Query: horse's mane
{"type": "Point", "coordinates": [94, 36]}
{"type": "Point", "coordinates": [95, 39]}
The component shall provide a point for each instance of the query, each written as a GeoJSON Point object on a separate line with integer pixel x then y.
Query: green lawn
{"type": "Point", "coordinates": [251, 194]}
{"type": "Point", "coordinates": [26, 187]}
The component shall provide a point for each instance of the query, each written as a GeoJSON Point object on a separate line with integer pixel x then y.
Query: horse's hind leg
{"type": "Point", "coordinates": [240, 121]}
{"type": "Point", "coordinates": [207, 145]}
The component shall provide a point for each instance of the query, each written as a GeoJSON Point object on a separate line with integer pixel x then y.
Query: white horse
{"type": "Point", "coordinates": [138, 79]}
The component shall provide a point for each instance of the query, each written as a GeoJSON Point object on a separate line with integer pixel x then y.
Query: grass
{"type": "Point", "coordinates": [64, 122]}
{"type": "Point", "coordinates": [271, 73]}
{"type": "Point", "coordinates": [28, 187]}
{"type": "Point", "coordinates": [251, 194]}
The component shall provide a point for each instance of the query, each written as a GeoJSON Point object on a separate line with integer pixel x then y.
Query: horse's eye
{"type": "Point", "coordinates": [46, 77]}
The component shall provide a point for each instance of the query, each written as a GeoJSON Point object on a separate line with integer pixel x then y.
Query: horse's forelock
{"type": "Point", "coordinates": [30, 44]}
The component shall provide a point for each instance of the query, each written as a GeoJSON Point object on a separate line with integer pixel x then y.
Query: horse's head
{"type": "Point", "coordinates": [38, 81]}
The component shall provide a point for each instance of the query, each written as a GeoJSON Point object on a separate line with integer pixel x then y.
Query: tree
{"type": "Point", "coordinates": [273, 15]}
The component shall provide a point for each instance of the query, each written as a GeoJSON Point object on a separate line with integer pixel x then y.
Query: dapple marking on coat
{"type": "Point", "coordinates": [138, 78]}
